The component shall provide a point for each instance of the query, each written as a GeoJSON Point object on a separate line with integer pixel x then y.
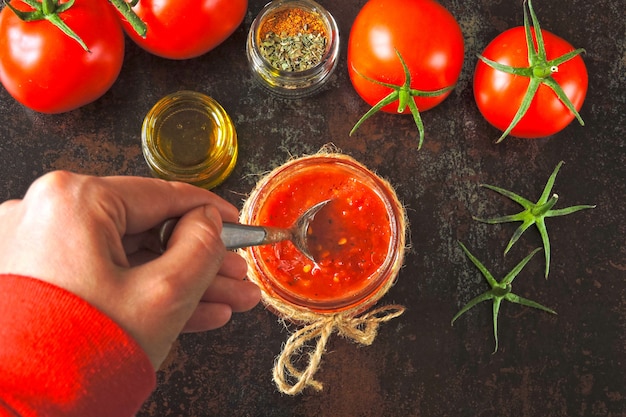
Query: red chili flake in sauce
{"type": "Point", "coordinates": [349, 237]}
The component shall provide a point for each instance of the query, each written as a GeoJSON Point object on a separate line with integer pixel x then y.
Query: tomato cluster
{"type": "Point", "coordinates": [414, 48]}
{"type": "Point", "coordinates": [403, 56]}
{"type": "Point", "coordinates": [407, 56]}
{"type": "Point", "coordinates": [58, 55]}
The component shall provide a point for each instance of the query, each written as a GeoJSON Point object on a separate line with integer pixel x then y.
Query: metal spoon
{"type": "Point", "coordinates": [235, 235]}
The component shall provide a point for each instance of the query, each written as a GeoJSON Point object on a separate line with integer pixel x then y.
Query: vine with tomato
{"type": "Point", "coordinates": [529, 82]}
{"type": "Point", "coordinates": [57, 55]}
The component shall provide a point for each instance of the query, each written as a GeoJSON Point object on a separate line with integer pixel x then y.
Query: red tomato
{"type": "Point", "coordinates": [46, 70]}
{"type": "Point", "coordinates": [182, 29]}
{"type": "Point", "coordinates": [499, 94]}
{"type": "Point", "coordinates": [425, 34]}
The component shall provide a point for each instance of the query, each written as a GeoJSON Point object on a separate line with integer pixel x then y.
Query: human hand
{"type": "Point", "coordinates": [85, 234]}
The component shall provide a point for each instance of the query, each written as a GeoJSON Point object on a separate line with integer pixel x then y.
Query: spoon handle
{"type": "Point", "coordinates": [234, 235]}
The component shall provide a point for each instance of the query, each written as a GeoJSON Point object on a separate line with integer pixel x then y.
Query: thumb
{"type": "Point", "coordinates": [195, 251]}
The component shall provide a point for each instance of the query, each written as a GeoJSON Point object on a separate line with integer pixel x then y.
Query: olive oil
{"type": "Point", "coordinates": [188, 136]}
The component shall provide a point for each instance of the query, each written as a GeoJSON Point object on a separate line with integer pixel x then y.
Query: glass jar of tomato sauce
{"type": "Point", "coordinates": [357, 239]}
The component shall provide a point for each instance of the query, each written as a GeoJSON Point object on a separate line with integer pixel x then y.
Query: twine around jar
{"type": "Point", "coordinates": [358, 323]}
{"type": "Point", "coordinates": [360, 329]}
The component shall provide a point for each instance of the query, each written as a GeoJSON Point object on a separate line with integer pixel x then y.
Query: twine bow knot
{"type": "Point", "coordinates": [360, 329]}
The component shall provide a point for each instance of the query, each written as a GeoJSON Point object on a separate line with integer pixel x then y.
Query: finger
{"type": "Point", "coordinates": [208, 316]}
{"type": "Point", "coordinates": [234, 266]}
{"type": "Point", "coordinates": [8, 205]}
{"type": "Point", "coordinates": [148, 240]}
{"type": "Point", "coordinates": [239, 295]}
{"type": "Point", "coordinates": [149, 201]}
{"type": "Point", "coordinates": [193, 257]}
{"type": "Point", "coordinates": [141, 257]}
{"type": "Point", "coordinates": [144, 247]}
{"type": "Point", "coordinates": [169, 288]}
{"type": "Point", "coordinates": [147, 246]}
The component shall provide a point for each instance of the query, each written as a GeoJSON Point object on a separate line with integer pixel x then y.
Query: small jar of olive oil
{"type": "Point", "coordinates": [187, 136]}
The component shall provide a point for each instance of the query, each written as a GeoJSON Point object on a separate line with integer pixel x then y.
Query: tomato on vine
{"type": "Point", "coordinates": [56, 55]}
{"type": "Point", "coordinates": [530, 83]}
{"type": "Point", "coordinates": [185, 29]}
{"type": "Point", "coordinates": [409, 52]}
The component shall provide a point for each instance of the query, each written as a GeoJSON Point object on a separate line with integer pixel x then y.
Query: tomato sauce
{"type": "Point", "coordinates": [349, 238]}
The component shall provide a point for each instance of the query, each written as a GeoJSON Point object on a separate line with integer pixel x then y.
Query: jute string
{"type": "Point", "coordinates": [355, 323]}
{"type": "Point", "coordinates": [361, 329]}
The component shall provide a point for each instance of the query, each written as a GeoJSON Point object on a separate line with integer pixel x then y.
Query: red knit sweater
{"type": "Point", "coordinates": [59, 356]}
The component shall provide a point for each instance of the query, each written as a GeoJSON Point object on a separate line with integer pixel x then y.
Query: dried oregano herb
{"type": "Point", "coordinates": [293, 40]}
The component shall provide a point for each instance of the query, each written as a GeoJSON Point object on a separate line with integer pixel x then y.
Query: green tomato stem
{"type": "Point", "coordinates": [544, 71]}
{"type": "Point", "coordinates": [541, 210]}
{"type": "Point", "coordinates": [499, 291]}
{"type": "Point", "coordinates": [47, 6]}
{"type": "Point", "coordinates": [59, 23]}
{"type": "Point", "coordinates": [126, 10]}
{"type": "Point", "coordinates": [539, 70]}
{"type": "Point", "coordinates": [533, 214]}
{"type": "Point", "coordinates": [405, 96]}
{"type": "Point", "coordinates": [48, 10]}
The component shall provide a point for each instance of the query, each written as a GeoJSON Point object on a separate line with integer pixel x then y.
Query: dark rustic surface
{"type": "Point", "coordinates": [572, 364]}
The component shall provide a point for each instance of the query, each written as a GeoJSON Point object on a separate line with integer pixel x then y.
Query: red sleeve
{"type": "Point", "coordinates": [59, 356]}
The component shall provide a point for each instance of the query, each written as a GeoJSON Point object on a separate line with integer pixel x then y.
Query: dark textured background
{"type": "Point", "coordinates": [572, 364]}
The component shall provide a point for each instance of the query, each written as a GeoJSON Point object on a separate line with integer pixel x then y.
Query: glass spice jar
{"type": "Point", "coordinates": [293, 47]}
{"type": "Point", "coordinates": [357, 239]}
{"type": "Point", "coordinates": [187, 136]}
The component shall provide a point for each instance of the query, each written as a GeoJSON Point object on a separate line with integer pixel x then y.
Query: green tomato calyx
{"type": "Point", "coordinates": [48, 10]}
{"type": "Point", "coordinates": [126, 10]}
{"type": "Point", "coordinates": [533, 214]}
{"type": "Point", "coordinates": [544, 71]}
{"type": "Point", "coordinates": [499, 291]}
{"type": "Point", "coordinates": [404, 95]}
{"type": "Point", "coordinates": [51, 10]}
{"type": "Point", "coordinates": [539, 71]}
